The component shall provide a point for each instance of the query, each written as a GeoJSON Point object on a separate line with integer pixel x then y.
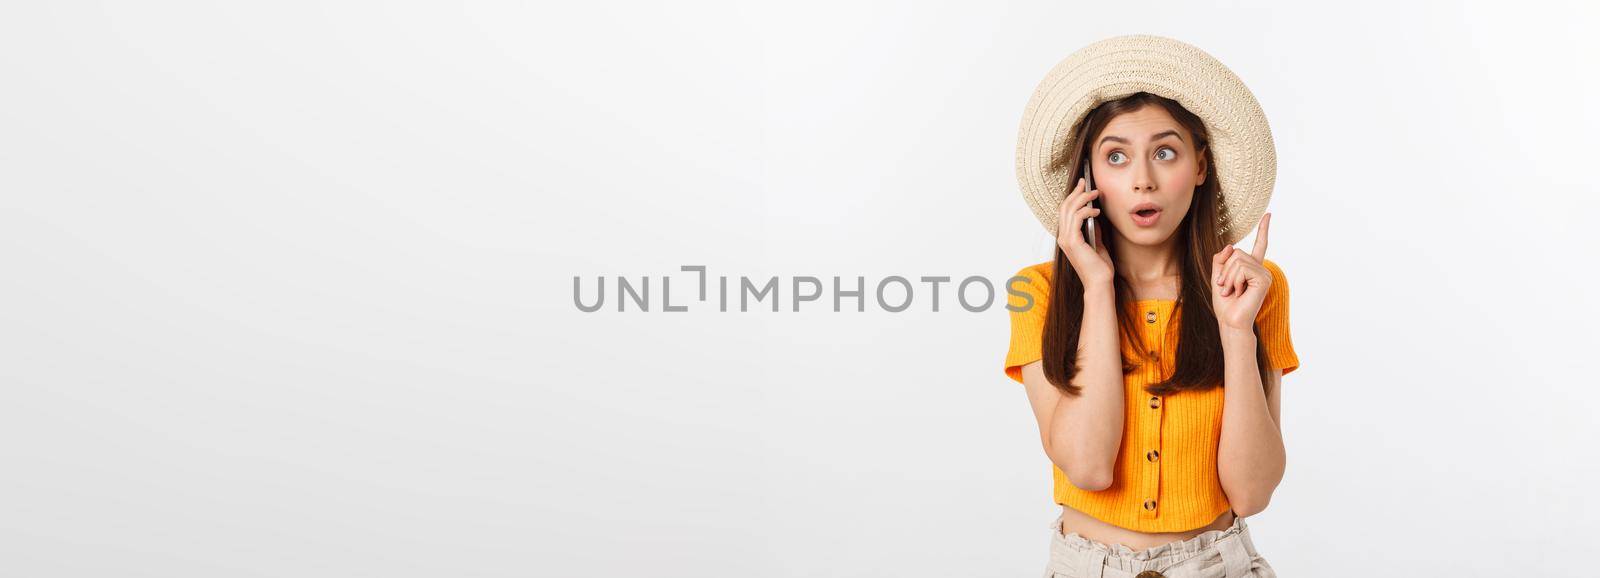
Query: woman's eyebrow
{"type": "Point", "coordinates": [1153, 137]}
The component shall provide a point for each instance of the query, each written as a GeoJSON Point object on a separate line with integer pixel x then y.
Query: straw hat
{"type": "Point", "coordinates": [1241, 142]}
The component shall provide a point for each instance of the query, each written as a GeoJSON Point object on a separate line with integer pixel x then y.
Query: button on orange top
{"type": "Point", "coordinates": [1166, 478]}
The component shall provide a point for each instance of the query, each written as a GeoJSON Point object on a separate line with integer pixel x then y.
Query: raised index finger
{"type": "Point", "coordinates": [1259, 250]}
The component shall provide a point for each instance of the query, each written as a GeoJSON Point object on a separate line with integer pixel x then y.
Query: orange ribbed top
{"type": "Point", "coordinates": [1165, 476]}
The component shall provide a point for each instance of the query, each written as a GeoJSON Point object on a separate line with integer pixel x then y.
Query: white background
{"type": "Point", "coordinates": [287, 286]}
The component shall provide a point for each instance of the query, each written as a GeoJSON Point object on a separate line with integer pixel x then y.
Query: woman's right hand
{"type": "Point", "coordinates": [1093, 264]}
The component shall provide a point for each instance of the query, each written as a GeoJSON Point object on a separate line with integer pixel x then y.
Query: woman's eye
{"type": "Point", "coordinates": [1168, 157]}
{"type": "Point", "coordinates": [1115, 158]}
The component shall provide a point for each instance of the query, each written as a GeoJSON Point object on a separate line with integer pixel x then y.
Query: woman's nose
{"type": "Point", "coordinates": [1143, 180]}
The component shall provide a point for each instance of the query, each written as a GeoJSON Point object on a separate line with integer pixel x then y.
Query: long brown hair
{"type": "Point", "coordinates": [1199, 363]}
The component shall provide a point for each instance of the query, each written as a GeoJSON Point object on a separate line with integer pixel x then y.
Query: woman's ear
{"type": "Point", "coordinates": [1202, 163]}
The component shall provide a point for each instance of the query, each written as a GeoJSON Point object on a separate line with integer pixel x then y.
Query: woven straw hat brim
{"type": "Point", "coordinates": [1241, 141]}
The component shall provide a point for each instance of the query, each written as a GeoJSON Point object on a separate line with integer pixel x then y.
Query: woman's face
{"type": "Point", "coordinates": [1146, 168]}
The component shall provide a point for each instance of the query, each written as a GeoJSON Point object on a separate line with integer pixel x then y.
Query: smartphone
{"type": "Point", "coordinates": [1088, 224]}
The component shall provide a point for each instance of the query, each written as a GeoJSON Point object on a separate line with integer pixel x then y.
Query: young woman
{"type": "Point", "coordinates": [1152, 358]}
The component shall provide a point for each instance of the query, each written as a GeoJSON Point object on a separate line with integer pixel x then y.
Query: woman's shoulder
{"type": "Point", "coordinates": [1273, 266]}
{"type": "Point", "coordinates": [1037, 272]}
{"type": "Point", "coordinates": [1280, 282]}
{"type": "Point", "coordinates": [1028, 290]}
{"type": "Point", "coordinates": [1034, 278]}
{"type": "Point", "coordinates": [1276, 302]}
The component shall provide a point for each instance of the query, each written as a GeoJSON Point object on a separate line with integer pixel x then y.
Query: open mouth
{"type": "Point", "coordinates": [1146, 214]}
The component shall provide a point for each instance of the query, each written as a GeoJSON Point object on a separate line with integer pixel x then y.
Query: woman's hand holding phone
{"type": "Point", "coordinates": [1093, 263]}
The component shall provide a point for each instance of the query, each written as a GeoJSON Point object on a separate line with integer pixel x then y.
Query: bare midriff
{"type": "Point", "coordinates": [1093, 529]}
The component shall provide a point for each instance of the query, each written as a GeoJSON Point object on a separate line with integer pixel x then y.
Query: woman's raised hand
{"type": "Point", "coordinates": [1093, 264]}
{"type": "Point", "coordinates": [1239, 282]}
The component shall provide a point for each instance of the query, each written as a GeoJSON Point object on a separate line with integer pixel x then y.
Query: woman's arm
{"type": "Point", "coordinates": [1082, 434]}
{"type": "Point", "coordinates": [1250, 455]}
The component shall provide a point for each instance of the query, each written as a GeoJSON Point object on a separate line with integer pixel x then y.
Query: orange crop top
{"type": "Point", "coordinates": [1165, 478]}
